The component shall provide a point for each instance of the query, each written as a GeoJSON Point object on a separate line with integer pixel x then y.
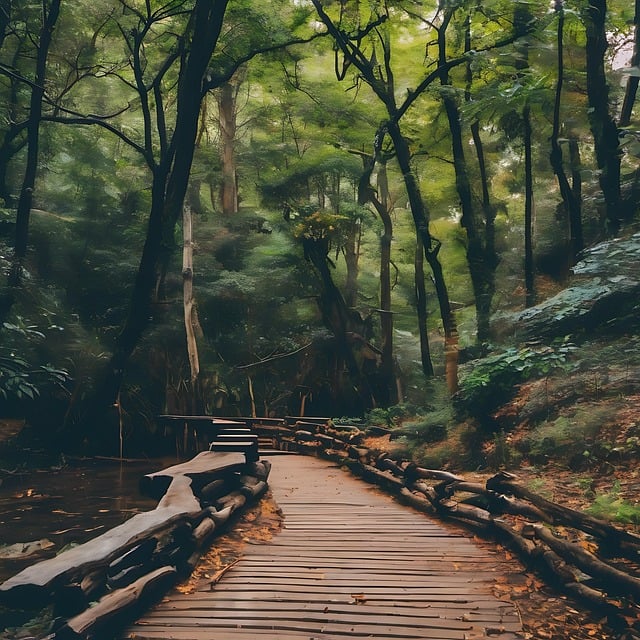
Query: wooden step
{"type": "Point", "coordinates": [248, 447]}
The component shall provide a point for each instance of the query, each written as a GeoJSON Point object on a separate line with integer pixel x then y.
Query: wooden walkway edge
{"type": "Point", "coordinates": [349, 563]}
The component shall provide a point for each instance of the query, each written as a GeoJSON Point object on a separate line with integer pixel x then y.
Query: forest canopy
{"type": "Point", "coordinates": [259, 208]}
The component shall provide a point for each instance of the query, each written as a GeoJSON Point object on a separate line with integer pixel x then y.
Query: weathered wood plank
{"type": "Point", "coordinates": [479, 612]}
{"type": "Point", "coordinates": [204, 468]}
{"type": "Point", "coordinates": [36, 581]}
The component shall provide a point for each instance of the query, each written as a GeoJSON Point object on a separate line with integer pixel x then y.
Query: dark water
{"type": "Point", "coordinates": [69, 505]}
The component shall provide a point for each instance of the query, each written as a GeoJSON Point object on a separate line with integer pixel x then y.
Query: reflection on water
{"type": "Point", "coordinates": [70, 505]}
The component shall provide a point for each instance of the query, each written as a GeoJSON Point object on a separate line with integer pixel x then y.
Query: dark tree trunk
{"type": "Point", "coordinates": [522, 16]}
{"type": "Point", "coordinates": [603, 127]}
{"type": "Point", "coordinates": [386, 315]}
{"type": "Point", "coordinates": [576, 169]}
{"type": "Point", "coordinates": [479, 270]}
{"type": "Point", "coordinates": [49, 19]}
{"type": "Point", "coordinates": [491, 258]}
{"type": "Point", "coordinates": [632, 80]}
{"type": "Point", "coordinates": [143, 293]}
{"type": "Point", "coordinates": [418, 211]}
{"type": "Point", "coordinates": [529, 265]}
{"type": "Point", "coordinates": [170, 181]}
{"type": "Point", "coordinates": [421, 309]}
{"type": "Point", "coordinates": [347, 327]}
{"type": "Point", "coordinates": [572, 205]}
{"type": "Point", "coordinates": [380, 202]}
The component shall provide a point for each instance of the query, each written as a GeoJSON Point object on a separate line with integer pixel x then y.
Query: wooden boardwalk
{"type": "Point", "coordinates": [349, 563]}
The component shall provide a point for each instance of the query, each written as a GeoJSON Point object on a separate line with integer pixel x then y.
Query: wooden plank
{"type": "Point", "coordinates": [204, 468]}
{"type": "Point", "coordinates": [165, 633]}
{"type": "Point", "coordinates": [364, 609]}
{"type": "Point", "coordinates": [222, 618]}
{"type": "Point", "coordinates": [100, 551]}
{"type": "Point", "coordinates": [348, 629]}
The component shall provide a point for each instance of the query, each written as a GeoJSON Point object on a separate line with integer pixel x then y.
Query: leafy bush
{"type": "Point", "coordinates": [610, 506]}
{"type": "Point", "coordinates": [390, 416]}
{"type": "Point", "coordinates": [21, 381]}
{"type": "Point", "coordinates": [492, 380]}
{"type": "Point", "coordinates": [434, 427]}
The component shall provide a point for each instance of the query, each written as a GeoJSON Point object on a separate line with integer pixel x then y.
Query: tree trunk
{"type": "Point", "coordinates": [572, 205]}
{"type": "Point", "coordinates": [481, 274]}
{"type": "Point", "coordinates": [380, 202]}
{"type": "Point", "coordinates": [603, 127]}
{"type": "Point", "coordinates": [421, 309]}
{"type": "Point", "coordinates": [387, 368]}
{"type": "Point", "coordinates": [49, 19]}
{"type": "Point", "coordinates": [632, 81]}
{"type": "Point", "coordinates": [491, 258]}
{"type": "Point", "coordinates": [189, 309]}
{"type": "Point", "coordinates": [227, 115]}
{"type": "Point", "coordinates": [529, 265]}
{"type": "Point", "coordinates": [352, 259]}
{"type": "Point", "coordinates": [430, 245]}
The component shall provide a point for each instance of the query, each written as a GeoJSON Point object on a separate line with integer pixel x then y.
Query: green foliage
{"type": "Point", "coordinates": [389, 416]}
{"type": "Point", "coordinates": [492, 379]}
{"type": "Point", "coordinates": [19, 378]}
{"type": "Point", "coordinates": [610, 506]}
{"type": "Point", "coordinates": [432, 427]}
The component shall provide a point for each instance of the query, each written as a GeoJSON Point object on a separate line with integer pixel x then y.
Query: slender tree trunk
{"type": "Point", "coordinates": [522, 16]}
{"type": "Point", "coordinates": [421, 309]}
{"type": "Point", "coordinates": [632, 80]}
{"type": "Point", "coordinates": [529, 264]}
{"type": "Point", "coordinates": [572, 205]}
{"type": "Point", "coordinates": [576, 168]}
{"type": "Point", "coordinates": [386, 315]}
{"type": "Point", "coordinates": [382, 205]}
{"type": "Point", "coordinates": [346, 327]}
{"type": "Point", "coordinates": [352, 260]}
{"type": "Point", "coordinates": [227, 117]}
{"type": "Point", "coordinates": [142, 295]}
{"type": "Point", "coordinates": [480, 273]}
{"type": "Point", "coordinates": [491, 258]}
{"type": "Point", "coordinates": [188, 302]}
{"type": "Point", "coordinates": [50, 15]}
{"type": "Point", "coordinates": [603, 127]}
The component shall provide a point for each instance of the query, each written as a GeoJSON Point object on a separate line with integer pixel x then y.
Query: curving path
{"type": "Point", "coordinates": [350, 562]}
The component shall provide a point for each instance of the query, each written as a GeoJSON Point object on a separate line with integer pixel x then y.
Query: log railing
{"type": "Point", "coordinates": [588, 558]}
{"type": "Point", "coordinates": [122, 571]}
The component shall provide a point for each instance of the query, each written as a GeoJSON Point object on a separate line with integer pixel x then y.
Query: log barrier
{"type": "Point", "coordinates": [587, 558]}
{"type": "Point", "coordinates": [111, 578]}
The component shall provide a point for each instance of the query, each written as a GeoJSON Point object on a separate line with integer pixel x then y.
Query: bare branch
{"type": "Point", "coordinates": [278, 356]}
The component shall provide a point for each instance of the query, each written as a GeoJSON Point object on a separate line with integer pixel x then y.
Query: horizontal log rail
{"type": "Point", "coordinates": [110, 578]}
{"type": "Point", "coordinates": [587, 558]}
